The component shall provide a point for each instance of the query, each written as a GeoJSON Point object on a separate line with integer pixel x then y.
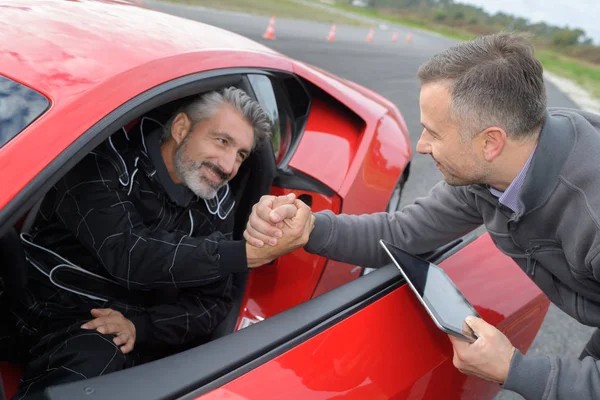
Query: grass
{"type": "Point", "coordinates": [279, 8]}
{"type": "Point", "coordinates": [585, 74]}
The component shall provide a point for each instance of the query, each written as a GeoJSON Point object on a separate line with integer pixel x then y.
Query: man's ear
{"type": "Point", "coordinates": [494, 140]}
{"type": "Point", "coordinates": [180, 127]}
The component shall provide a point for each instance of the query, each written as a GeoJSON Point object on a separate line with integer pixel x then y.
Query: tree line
{"type": "Point", "coordinates": [472, 19]}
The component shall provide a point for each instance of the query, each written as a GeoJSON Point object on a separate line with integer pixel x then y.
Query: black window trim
{"type": "Point", "coordinates": [290, 178]}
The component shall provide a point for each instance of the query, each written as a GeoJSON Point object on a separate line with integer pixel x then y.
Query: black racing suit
{"type": "Point", "coordinates": [116, 232]}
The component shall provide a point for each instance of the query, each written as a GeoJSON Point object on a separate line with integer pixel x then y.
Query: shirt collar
{"type": "Point", "coordinates": [179, 194]}
{"type": "Point", "coordinates": [510, 197]}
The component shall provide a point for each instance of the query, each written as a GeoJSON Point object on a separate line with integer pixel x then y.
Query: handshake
{"type": "Point", "coordinates": [277, 226]}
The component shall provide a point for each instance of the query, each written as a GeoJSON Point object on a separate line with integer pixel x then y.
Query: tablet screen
{"type": "Point", "coordinates": [439, 293]}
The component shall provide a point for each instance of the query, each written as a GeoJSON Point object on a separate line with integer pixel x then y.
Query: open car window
{"type": "Point", "coordinates": [19, 107]}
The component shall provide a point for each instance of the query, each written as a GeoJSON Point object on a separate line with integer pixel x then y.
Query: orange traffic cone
{"type": "Point", "coordinates": [409, 37]}
{"type": "Point", "coordinates": [331, 36]}
{"type": "Point", "coordinates": [370, 35]}
{"type": "Point", "coordinates": [270, 32]}
{"type": "Point", "coordinates": [395, 37]}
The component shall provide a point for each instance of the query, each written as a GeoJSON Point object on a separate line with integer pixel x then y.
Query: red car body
{"type": "Point", "coordinates": [367, 339]}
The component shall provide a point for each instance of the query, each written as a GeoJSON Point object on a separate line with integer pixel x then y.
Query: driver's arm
{"type": "Point", "coordinates": [96, 208]}
{"type": "Point", "coordinates": [193, 314]}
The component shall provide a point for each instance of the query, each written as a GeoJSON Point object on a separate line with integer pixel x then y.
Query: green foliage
{"type": "Point", "coordinates": [440, 15]}
{"type": "Point", "coordinates": [567, 37]}
{"type": "Point", "coordinates": [465, 20]}
{"type": "Point", "coordinates": [587, 75]}
{"type": "Point", "coordinates": [458, 16]}
{"type": "Point", "coordinates": [562, 50]}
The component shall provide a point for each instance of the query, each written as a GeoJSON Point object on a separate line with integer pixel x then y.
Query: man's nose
{"type": "Point", "coordinates": [423, 146]}
{"type": "Point", "coordinates": [227, 163]}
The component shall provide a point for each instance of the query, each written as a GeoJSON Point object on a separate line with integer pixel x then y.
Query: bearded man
{"type": "Point", "coordinates": [134, 245]}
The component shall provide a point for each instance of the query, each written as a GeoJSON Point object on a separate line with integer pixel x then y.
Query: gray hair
{"type": "Point", "coordinates": [205, 107]}
{"type": "Point", "coordinates": [494, 80]}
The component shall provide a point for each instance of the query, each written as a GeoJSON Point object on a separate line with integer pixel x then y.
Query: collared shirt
{"type": "Point", "coordinates": [510, 197]}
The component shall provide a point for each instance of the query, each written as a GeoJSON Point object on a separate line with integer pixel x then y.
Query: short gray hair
{"type": "Point", "coordinates": [205, 106]}
{"type": "Point", "coordinates": [494, 80]}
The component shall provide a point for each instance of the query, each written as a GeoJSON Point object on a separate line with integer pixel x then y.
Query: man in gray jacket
{"type": "Point", "coordinates": [528, 173]}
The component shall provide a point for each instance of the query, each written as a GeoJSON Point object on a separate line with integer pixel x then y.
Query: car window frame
{"type": "Point", "coordinates": [142, 103]}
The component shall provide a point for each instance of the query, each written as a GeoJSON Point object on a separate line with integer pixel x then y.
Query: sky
{"type": "Point", "coordinates": [582, 14]}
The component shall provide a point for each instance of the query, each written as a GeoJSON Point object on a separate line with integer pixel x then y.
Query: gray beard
{"type": "Point", "coordinates": [188, 171]}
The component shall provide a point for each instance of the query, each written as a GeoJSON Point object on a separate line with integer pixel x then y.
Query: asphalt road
{"type": "Point", "coordinates": [389, 69]}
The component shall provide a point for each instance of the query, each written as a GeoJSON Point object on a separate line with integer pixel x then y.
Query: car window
{"type": "Point", "coordinates": [265, 95]}
{"type": "Point", "coordinates": [19, 107]}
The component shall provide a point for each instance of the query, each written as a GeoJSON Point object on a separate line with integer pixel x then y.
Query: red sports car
{"type": "Point", "coordinates": [73, 73]}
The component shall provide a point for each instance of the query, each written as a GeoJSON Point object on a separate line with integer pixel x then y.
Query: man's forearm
{"type": "Point", "coordinates": [445, 214]}
{"type": "Point", "coordinates": [194, 314]}
{"type": "Point", "coordinates": [554, 378]}
{"type": "Point", "coordinates": [257, 256]}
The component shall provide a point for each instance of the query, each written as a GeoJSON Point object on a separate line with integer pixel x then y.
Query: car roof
{"type": "Point", "coordinates": [52, 45]}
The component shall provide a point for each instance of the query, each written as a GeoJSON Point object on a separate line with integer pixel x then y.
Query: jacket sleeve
{"type": "Point", "coordinates": [447, 213]}
{"type": "Point", "coordinates": [554, 378]}
{"type": "Point", "coordinates": [96, 208]}
{"type": "Point", "coordinates": [194, 314]}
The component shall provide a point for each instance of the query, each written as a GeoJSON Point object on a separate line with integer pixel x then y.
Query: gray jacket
{"type": "Point", "coordinates": [555, 239]}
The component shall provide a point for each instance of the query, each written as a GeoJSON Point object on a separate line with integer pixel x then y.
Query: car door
{"type": "Point", "coordinates": [386, 346]}
{"type": "Point", "coordinates": [368, 339]}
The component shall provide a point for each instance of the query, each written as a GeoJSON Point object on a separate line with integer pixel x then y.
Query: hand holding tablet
{"type": "Point", "coordinates": [444, 302]}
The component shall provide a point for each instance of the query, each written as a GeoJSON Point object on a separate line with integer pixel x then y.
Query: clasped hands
{"type": "Point", "coordinates": [277, 225]}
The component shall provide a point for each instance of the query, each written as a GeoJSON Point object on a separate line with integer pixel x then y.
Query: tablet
{"type": "Point", "coordinates": [446, 305]}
